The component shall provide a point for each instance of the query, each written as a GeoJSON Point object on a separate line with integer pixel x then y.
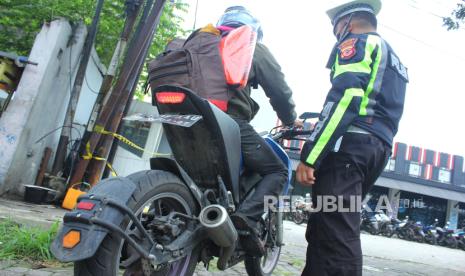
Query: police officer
{"type": "Point", "coordinates": [352, 141]}
{"type": "Point", "coordinates": [257, 155]}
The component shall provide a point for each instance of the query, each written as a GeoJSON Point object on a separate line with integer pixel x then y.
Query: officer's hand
{"type": "Point", "coordinates": [305, 174]}
{"type": "Point", "coordinates": [298, 124]}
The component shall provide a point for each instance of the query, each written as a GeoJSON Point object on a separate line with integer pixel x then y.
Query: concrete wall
{"type": "Point", "coordinates": [39, 104]}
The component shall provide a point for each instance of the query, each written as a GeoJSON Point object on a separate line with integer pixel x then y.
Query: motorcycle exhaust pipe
{"type": "Point", "coordinates": [219, 226]}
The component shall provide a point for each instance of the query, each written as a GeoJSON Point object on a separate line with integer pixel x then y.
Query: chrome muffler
{"type": "Point", "coordinates": [219, 226]}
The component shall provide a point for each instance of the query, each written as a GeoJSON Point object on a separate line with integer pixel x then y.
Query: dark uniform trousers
{"type": "Point", "coordinates": [260, 158]}
{"type": "Point", "coordinates": [333, 238]}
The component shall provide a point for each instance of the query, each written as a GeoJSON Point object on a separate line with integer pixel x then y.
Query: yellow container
{"type": "Point", "coordinates": [71, 197]}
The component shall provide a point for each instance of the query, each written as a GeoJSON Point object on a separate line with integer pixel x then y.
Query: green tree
{"type": "Point", "coordinates": [21, 20]}
{"type": "Point", "coordinates": [457, 17]}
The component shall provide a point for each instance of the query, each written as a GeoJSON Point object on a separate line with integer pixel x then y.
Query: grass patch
{"type": "Point", "coordinates": [21, 242]}
{"type": "Point", "coordinates": [297, 263]}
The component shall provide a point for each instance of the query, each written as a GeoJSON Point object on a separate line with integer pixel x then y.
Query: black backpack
{"type": "Point", "coordinates": [210, 63]}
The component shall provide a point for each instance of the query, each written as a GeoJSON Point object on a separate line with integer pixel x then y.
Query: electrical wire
{"type": "Point", "coordinates": [52, 131]}
{"type": "Point", "coordinates": [88, 86]}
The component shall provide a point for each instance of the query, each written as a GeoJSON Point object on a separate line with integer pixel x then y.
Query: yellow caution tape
{"type": "Point", "coordinates": [101, 129]}
{"type": "Point", "coordinates": [89, 156]}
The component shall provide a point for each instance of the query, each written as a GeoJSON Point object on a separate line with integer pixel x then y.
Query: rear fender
{"type": "Point", "coordinates": [91, 236]}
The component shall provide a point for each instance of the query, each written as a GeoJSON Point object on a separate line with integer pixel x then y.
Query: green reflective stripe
{"type": "Point", "coordinates": [362, 66]}
{"type": "Point", "coordinates": [333, 122]}
{"type": "Point", "coordinates": [366, 98]}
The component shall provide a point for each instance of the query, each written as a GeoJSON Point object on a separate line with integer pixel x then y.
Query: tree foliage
{"type": "Point", "coordinates": [21, 20]}
{"type": "Point", "coordinates": [457, 17]}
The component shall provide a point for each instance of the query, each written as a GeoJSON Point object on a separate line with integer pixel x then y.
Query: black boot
{"type": "Point", "coordinates": [249, 238]}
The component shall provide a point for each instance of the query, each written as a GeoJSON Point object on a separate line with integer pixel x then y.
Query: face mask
{"type": "Point", "coordinates": [344, 32]}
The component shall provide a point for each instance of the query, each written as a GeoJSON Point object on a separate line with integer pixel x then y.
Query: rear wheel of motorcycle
{"type": "Point", "coordinates": [171, 194]}
{"type": "Point", "coordinates": [264, 266]}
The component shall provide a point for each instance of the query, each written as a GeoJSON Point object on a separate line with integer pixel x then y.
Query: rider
{"type": "Point", "coordinates": [257, 155]}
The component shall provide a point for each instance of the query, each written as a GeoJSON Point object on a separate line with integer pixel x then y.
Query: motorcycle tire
{"type": "Point", "coordinates": [172, 195]}
{"type": "Point", "coordinates": [264, 266]}
{"type": "Point", "coordinates": [451, 242]}
{"type": "Point", "coordinates": [298, 218]}
{"type": "Point", "coordinates": [389, 233]}
{"type": "Point", "coordinates": [431, 239]}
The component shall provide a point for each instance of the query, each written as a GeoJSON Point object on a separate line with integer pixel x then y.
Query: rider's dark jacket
{"type": "Point", "coordinates": [368, 91]}
{"type": "Point", "coordinates": [265, 72]}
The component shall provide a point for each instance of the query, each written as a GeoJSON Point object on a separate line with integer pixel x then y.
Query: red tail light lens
{"type": "Point", "coordinates": [170, 97]}
{"type": "Point", "coordinates": [85, 205]}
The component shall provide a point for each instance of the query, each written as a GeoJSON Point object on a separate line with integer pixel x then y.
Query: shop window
{"type": "Point", "coordinates": [414, 169]}
{"type": "Point", "coordinates": [444, 175]}
{"type": "Point", "coordinates": [422, 208]}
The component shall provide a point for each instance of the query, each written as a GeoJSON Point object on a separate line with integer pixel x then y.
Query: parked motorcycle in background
{"type": "Point", "coordinates": [385, 224]}
{"type": "Point", "coordinates": [460, 236]}
{"type": "Point", "coordinates": [369, 222]}
{"type": "Point", "coordinates": [302, 210]}
{"type": "Point", "coordinates": [402, 228]}
{"type": "Point", "coordinates": [430, 233]}
{"type": "Point", "coordinates": [445, 236]}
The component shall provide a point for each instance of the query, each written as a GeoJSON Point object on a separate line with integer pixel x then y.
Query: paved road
{"type": "Point", "coordinates": [382, 256]}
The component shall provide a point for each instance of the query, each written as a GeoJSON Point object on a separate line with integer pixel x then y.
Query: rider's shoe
{"type": "Point", "coordinates": [249, 238]}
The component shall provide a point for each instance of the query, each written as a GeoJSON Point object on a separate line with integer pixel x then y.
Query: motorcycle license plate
{"type": "Point", "coordinates": [172, 119]}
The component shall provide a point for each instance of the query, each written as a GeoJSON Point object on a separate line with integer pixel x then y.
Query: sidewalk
{"type": "Point", "coordinates": [30, 214]}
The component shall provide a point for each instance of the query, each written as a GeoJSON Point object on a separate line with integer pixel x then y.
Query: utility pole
{"type": "Point", "coordinates": [114, 146]}
{"type": "Point", "coordinates": [132, 11]}
{"type": "Point", "coordinates": [74, 97]}
{"type": "Point", "coordinates": [98, 166]}
{"type": "Point", "coordinates": [120, 94]}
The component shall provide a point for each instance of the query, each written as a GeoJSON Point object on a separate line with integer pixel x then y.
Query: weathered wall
{"type": "Point", "coordinates": [39, 104]}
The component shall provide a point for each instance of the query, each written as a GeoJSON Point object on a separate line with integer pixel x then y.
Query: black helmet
{"type": "Point", "coordinates": [237, 16]}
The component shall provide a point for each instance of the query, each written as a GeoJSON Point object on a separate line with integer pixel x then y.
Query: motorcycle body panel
{"type": "Point", "coordinates": [209, 148]}
{"type": "Point", "coordinates": [285, 158]}
{"type": "Point", "coordinates": [170, 165]}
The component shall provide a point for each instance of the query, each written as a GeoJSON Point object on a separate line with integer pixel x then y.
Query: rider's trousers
{"type": "Point", "coordinates": [344, 176]}
{"type": "Point", "coordinates": [258, 157]}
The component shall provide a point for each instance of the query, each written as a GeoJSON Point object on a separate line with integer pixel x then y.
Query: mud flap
{"type": "Point", "coordinates": [91, 235]}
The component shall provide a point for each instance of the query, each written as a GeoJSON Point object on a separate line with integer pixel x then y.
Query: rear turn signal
{"type": "Point", "coordinates": [170, 97]}
{"type": "Point", "coordinates": [71, 239]}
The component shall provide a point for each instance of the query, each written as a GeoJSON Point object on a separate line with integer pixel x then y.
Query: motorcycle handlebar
{"type": "Point", "coordinates": [290, 133]}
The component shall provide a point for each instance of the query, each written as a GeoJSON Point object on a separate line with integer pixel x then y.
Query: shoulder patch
{"type": "Point", "coordinates": [347, 48]}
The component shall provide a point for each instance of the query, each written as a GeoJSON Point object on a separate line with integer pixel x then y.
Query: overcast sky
{"type": "Point", "coordinates": [299, 34]}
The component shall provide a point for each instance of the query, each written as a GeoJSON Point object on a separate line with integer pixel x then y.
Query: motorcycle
{"type": "Point", "coordinates": [445, 236]}
{"type": "Point", "coordinates": [369, 223]}
{"type": "Point", "coordinates": [165, 220]}
{"type": "Point", "coordinates": [430, 233]}
{"type": "Point", "coordinates": [460, 237]}
{"type": "Point", "coordinates": [418, 235]}
{"type": "Point", "coordinates": [386, 226]}
{"type": "Point", "coordinates": [301, 212]}
{"type": "Point", "coordinates": [402, 228]}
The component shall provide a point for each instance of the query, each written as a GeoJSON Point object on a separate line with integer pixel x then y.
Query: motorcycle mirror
{"type": "Point", "coordinates": [309, 115]}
